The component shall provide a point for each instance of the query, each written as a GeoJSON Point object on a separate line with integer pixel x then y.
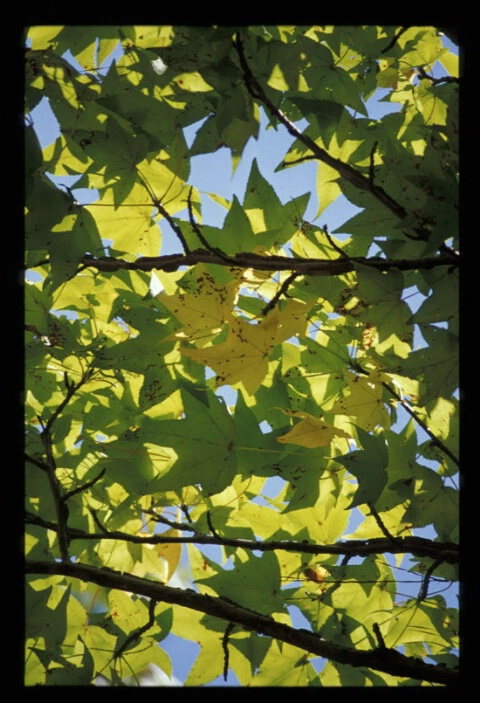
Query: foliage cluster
{"type": "Point", "coordinates": [154, 505]}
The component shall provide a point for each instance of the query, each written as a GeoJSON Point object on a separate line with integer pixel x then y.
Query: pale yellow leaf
{"type": "Point", "coordinates": [364, 402]}
{"type": "Point", "coordinates": [311, 432]}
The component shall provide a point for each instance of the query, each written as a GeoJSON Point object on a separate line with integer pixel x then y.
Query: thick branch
{"type": "Point", "coordinates": [417, 546]}
{"type": "Point", "coordinates": [298, 265]}
{"type": "Point", "coordinates": [381, 659]}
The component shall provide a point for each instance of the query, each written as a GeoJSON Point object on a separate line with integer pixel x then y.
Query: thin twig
{"type": "Point", "coordinates": [380, 523]}
{"type": "Point", "coordinates": [378, 635]}
{"type": "Point", "coordinates": [184, 509]}
{"type": "Point", "coordinates": [61, 509]}
{"type": "Point", "coordinates": [171, 523]}
{"type": "Point", "coordinates": [281, 291]}
{"type": "Point", "coordinates": [226, 654]}
{"type": "Point", "coordinates": [36, 462]}
{"type": "Point", "coordinates": [435, 81]}
{"type": "Point", "coordinates": [393, 41]}
{"type": "Point", "coordinates": [72, 388]}
{"type": "Point", "coordinates": [371, 170]}
{"type": "Point", "coordinates": [307, 157]}
{"type": "Point", "coordinates": [423, 593]}
{"type": "Point", "coordinates": [347, 172]}
{"type": "Point", "coordinates": [84, 486]}
{"type": "Point", "coordinates": [435, 440]}
{"type": "Point", "coordinates": [55, 488]}
{"type": "Point", "coordinates": [196, 229]}
{"type": "Point", "coordinates": [136, 634]}
{"type": "Point", "coordinates": [156, 202]}
{"type": "Point", "coordinates": [333, 244]}
{"type": "Point", "coordinates": [105, 532]}
{"type": "Point", "coordinates": [211, 527]}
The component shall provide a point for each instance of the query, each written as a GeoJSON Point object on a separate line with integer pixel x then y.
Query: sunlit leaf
{"type": "Point", "coordinates": [311, 432]}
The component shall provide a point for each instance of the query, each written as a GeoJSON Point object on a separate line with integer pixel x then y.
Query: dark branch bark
{"type": "Point", "coordinates": [417, 546]}
{"type": "Point", "coordinates": [281, 291]}
{"type": "Point", "coordinates": [380, 659]}
{"type": "Point", "coordinates": [56, 490]}
{"type": "Point", "coordinates": [298, 265]}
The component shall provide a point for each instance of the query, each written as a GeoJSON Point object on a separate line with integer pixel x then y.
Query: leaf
{"type": "Point", "coordinates": [253, 583]}
{"type": "Point", "coordinates": [202, 313]}
{"type": "Point", "coordinates": [285, 666]}
{"type": "Point", "coordinates": [364, 402]}
{"type": "Point", "coordinates": [424, 622]}
{"type": "Point", "coordinates": [216, 406]}
{"type": "Point", "coordinates": [170, 555]}
{"type": "Point", "coordinates": [436, 366]}
{"type": "Point", "coordinates": [368, 465]}
{"type": "Point", "coordinates": [326, 113]}
{"type": "Point", "coordinates": [203, 442]}
{"type": "Point", "coordinates": [243, 357]}
{"type": "Point", "coordinates": [311, 432]}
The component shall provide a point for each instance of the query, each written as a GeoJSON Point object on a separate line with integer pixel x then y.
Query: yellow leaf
{"type": "Point", "coordinates": [292, 320]}
{"type": "Point", "coordinates": [243, 357]}
{"type": "Point", "coordinates": [311, 432]}
{"type": "Point", "coordinates": [169, 553]}
{"type": "Point", "coordinates": [203, 313]}
{"type": "Point", "coordinates": [364, 401]}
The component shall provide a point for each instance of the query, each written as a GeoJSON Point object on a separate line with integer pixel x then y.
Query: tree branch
{"type": "Point", "coordinates": [426, 581]}
{"type": "Point", "coordinates": [133, 636]}
{"type": "Point", "coordinates": [394, 40]}
{"type": "Point", "coordinates": [196, 229]}
{"type": "Point", "coordinates": [61, 509]}
{"type": "Point", "coordinates": [281, 291]}
{"type": "Point", "coordinates": [381, 659]}
{"type": "Point", "coordinates": [298, 265]}
{"type": "Point", "coordinates": [435, 81]}
{"type": "Point", "coordinates": [381, 524]}
{"type": "Point", "coordinates": [417, 546]}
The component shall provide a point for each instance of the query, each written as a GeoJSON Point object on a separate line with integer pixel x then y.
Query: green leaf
{"type": "Point", "coordinates": [253, 583]}
{"type": "Point", "coordinates": [436, 365]}
{"type": "Point", "coordinates": [203, 442]}
{"type": "Point", "coordinates": [327, 115]}
{"type": "Point", "coordinates": [368, 465]}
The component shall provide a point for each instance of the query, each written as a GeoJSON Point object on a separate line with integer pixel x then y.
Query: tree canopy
{"type": "Point", "coordinates": [242, 432]}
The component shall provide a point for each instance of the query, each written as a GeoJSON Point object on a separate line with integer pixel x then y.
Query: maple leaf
{"type": "Point", "coordinates": [243, 357]}
{"type": "Point", "coordinates": [203, 442]}
{"type": "Point", "coordinates": [364, 401]}
{"type": "Point", "coordinates": [310, 431]}
{"type": "Point", "coordinates": [203, 313]}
